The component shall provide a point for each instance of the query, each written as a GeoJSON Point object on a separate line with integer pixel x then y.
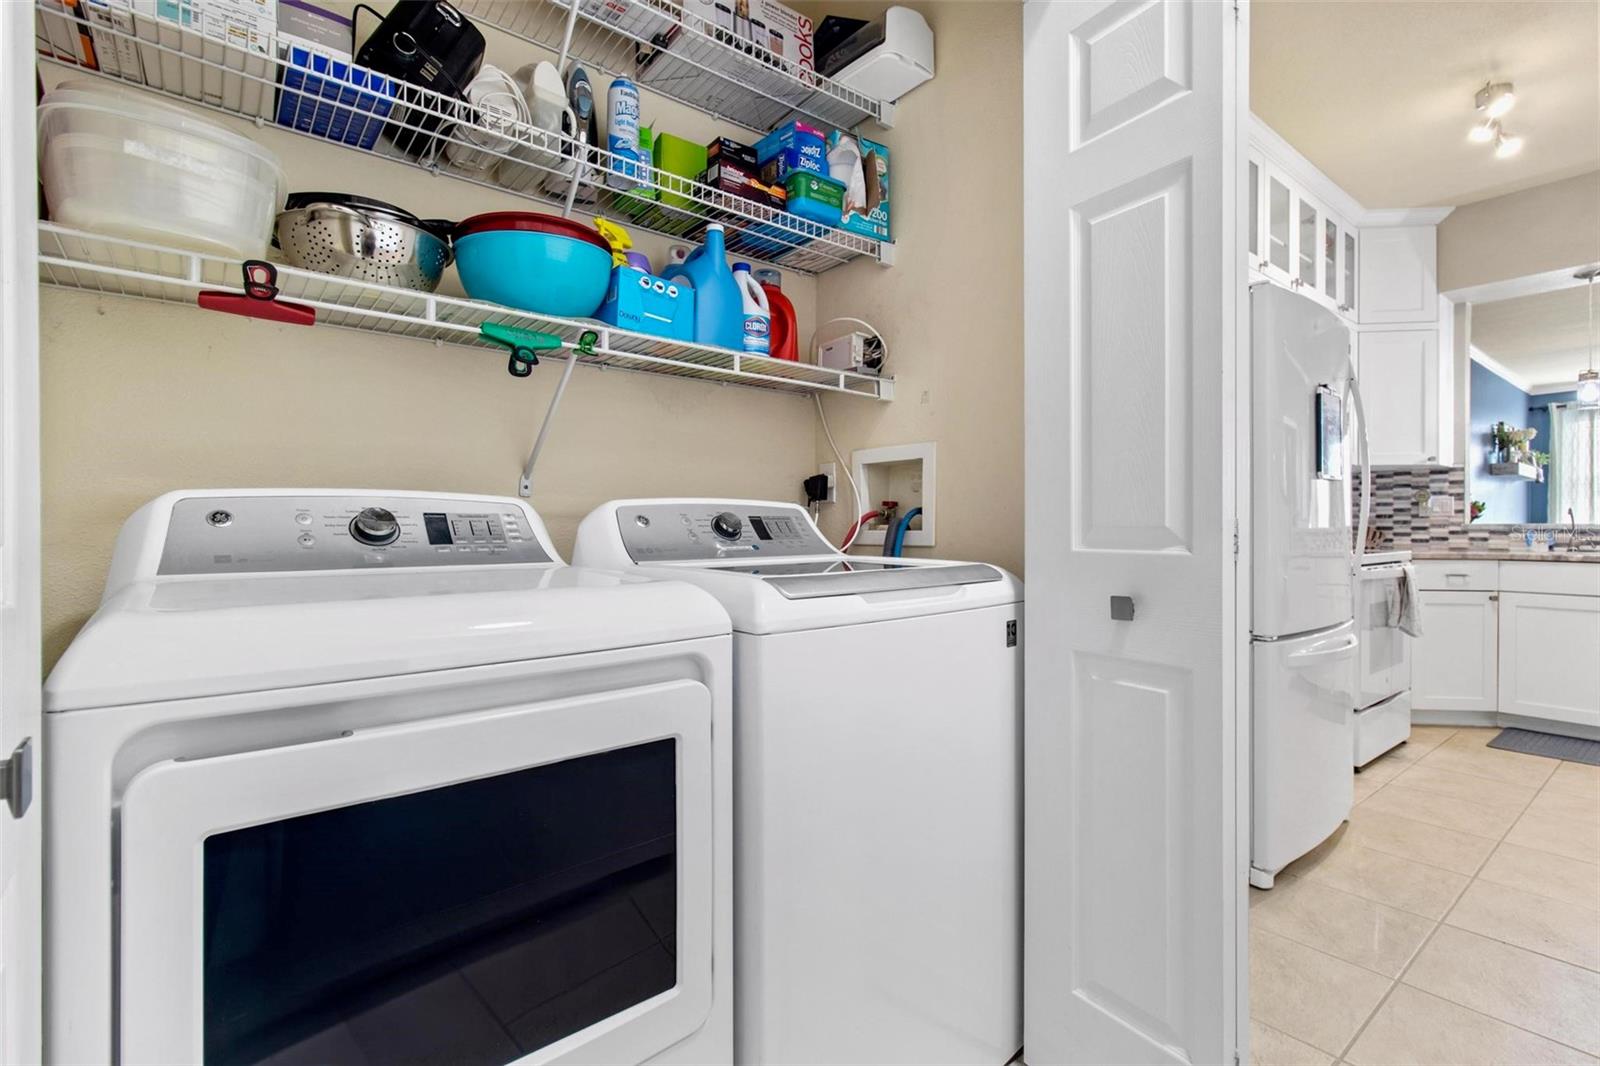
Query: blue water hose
{"type": "Point", "coordinates": [897, 544]}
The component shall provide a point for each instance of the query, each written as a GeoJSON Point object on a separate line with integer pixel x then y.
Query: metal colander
{"type": "Point", "coordinates": [366, 240]}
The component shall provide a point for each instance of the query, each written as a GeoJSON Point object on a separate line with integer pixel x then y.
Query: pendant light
{"type": "Point", "coordinates": [1589, 380]}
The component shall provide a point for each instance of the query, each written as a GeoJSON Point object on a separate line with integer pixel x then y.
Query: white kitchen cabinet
{"type": "Point", "coordinates": [1453, 665]}
{"type": "Point", "coordinates": [1399, 375]}
{"type": "Point", "coordinates": [1550, 656]}
{"type": "Point", "coordinates": [1294, 241]}
{"type": "Point", "coordinates": [1398, 280]}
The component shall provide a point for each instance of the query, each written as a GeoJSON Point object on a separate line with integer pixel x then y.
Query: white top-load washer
{"type": "Point", "coordinates": [372, 777]}
{"type": "Point", "coordinates": [877, 779]}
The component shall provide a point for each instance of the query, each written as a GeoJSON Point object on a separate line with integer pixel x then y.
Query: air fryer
{"type": "Point", "coordinates": [431, 45]}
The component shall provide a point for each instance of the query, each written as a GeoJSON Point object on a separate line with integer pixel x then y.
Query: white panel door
{"type": "Point", "coordinates": [20, 916]}
{"type": "Point", "coordinates": [1399, 375]}
{"type": "Point", "coordinates": [1134, 293]}
{"type": "Point", "coordinates": [1550, 657]}
{"type": "Point", "coordinates": [1398, 279]}
{"type": "Point", "coordinates": [1453, 662]}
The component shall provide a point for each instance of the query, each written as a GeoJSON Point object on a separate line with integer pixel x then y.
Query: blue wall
{"type": "Point", "coordinates": [1494, 399]}
{"type": "Point", "coordinates": [1539, 419]}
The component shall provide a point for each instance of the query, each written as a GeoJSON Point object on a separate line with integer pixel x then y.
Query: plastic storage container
{"type": "Point", "coordinates": [147, 171]}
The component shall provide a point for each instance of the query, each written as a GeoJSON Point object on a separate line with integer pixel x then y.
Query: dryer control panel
{"type": "Point", "coordinates": [262, 534]}
{"type": "Point", "coordinates": [688, 531]}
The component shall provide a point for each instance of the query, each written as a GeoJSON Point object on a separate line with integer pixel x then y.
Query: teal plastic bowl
{"type": "Point", "coordinates": [534, 262]}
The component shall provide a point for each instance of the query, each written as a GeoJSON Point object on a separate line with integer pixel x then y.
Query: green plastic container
{"type": "Point", "coordinates": [815, 197]}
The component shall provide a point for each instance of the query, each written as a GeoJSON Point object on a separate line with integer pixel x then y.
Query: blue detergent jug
{"type": "Point", "coordinates": [718, 304]}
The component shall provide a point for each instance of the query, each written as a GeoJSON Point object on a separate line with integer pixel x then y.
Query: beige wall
{"type": "Point", "coordinates": [140, 398]}
{"type": "Point", "coordinates": [1545, 228]}
{"type": "Point", "coordinates": [952, 306]}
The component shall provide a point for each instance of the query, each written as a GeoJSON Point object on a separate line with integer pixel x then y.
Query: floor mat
{"type": "Point", "coordinates": [1549, 745]}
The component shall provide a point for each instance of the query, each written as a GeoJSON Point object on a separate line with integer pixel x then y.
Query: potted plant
{"type": "Point", "coordinates": [1478, 507]}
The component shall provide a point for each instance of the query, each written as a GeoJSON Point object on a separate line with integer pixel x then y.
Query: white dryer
{"type": "Point", "coordinates": [877, 825]}
{"type": "Point", "coordinates": [372, 777]}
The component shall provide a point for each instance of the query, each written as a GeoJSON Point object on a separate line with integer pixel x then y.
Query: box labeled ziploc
{"type": "Point", "coordinates": [792, 146]}
{"type": "Point", "coordinates": [863, 166]}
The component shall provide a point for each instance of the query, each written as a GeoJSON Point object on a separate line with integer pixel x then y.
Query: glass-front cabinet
{"type": "Point", "coordinates": [1280, 230]}
{"type": "Point", "coordinates": [1307, 257]}
{"type": "Point", "coordinates": [1294, 241]}
{"type": "Point", "coordinates": [1348, 305]}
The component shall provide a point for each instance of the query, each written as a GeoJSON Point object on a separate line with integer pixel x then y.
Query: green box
{"type": "Point", "coordinates": [679, 159]}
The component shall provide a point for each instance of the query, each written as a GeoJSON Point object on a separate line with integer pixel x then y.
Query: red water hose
{"type": "Point", "coordinates": [850, 537]}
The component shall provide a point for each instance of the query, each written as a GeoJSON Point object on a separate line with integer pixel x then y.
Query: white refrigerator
{"type": "Point", "coordinates": [1304, 428]}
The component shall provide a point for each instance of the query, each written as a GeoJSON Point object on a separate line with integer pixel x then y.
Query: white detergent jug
{"type": "Point", "coordinates": [757, 312]}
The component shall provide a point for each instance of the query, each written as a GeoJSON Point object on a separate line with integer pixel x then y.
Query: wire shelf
{"type": "Point", "coordinates": [342, 104]}
{"type": "Point", "coordinates": [679, 54]}
{"type": "Point", "coordinates": [76, 260]}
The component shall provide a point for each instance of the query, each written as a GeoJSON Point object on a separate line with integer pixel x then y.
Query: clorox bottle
{"type": "Point", "coordinates": [718, 302]}
{"type": "Point", "coordinates": [757, 315]}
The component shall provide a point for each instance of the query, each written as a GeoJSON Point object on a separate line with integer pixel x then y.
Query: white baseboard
{"type": "Point", "coordinates": [1422, 716]}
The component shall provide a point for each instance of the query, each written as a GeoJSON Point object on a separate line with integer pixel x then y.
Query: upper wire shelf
{"type": "Point", "coordinates": [680, 55]}
{"type": "Point", "coordinates": [336, 103]}
{"type": "Point", "coordinates": [76, 260]}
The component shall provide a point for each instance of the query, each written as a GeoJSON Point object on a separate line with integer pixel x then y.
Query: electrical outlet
{"type": "Point", "coordinates": [1442, 504]}
{"type": "Point", "coordinates": [831, 472]}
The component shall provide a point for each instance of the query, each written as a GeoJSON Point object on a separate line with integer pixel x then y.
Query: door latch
{"type": "Point", "coordinates": [16, 779]}
{"type": "Point", "coordinates": [1122, 608]}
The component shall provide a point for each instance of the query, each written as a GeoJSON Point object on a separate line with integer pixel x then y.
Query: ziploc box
{"type": "Point", "coordinates": [866, 205]}
{"type": "Point", "coordinates": [793, 146]}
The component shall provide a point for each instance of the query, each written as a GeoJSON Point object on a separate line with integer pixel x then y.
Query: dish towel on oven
{"type": "Point", "coordinates": [1405, 613]}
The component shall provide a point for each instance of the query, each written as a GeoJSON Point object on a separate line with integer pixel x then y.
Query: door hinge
{"type": "Point", "coordinates": [16, 779]}
{"type": "Point", "coordinates": [1235, 539]}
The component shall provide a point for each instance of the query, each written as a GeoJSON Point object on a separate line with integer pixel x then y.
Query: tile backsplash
{"type": "Point", "coordinates": [1400, 508]}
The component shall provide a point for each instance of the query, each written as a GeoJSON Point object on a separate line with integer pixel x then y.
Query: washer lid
{"type": "Point", "coordinates": [849, 577]}
{"type": "Point", "coordinates": [186, 638]}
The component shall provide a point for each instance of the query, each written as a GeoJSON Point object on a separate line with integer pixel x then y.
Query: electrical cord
{"type": "Point", "coordinates": [855, 490]}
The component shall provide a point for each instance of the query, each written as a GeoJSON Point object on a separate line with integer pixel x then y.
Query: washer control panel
{"type": "Point", "coordinates": [283, 534]}
{"type": "Point", "coordinates": [683, 532]}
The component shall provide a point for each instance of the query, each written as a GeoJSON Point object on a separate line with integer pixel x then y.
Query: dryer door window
{"type": "Point", "coordinates": [451, 915]}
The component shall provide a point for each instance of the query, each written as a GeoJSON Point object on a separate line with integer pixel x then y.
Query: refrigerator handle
{"type": "Point", "coordinates": [1358, 557]}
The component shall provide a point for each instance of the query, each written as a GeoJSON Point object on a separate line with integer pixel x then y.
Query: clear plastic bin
{"type": "Point", "coordinates": [129, 167]}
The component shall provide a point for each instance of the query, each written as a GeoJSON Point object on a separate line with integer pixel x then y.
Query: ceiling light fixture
{"type": "Point", "coordinates": [1589, 380]}
{"type": "Point", "coordinates": [1492, 101]}
{"type": "Point", "coordinates": [1506, 145]}
{"type": "Point", "coordinates": [1495, 98]}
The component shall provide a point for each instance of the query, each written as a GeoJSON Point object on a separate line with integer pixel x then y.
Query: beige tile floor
{"type": "Point", "coordinates": [1455, 919]}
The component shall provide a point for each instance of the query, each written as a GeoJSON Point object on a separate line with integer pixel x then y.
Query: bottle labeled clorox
{"type": "Point", "coordinates": [757, 311]}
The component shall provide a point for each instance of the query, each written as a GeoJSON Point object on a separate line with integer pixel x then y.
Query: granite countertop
{"type": "Point", "coordinates": [1518, 555]}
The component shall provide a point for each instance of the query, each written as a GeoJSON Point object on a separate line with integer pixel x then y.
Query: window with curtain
{"type": "Point", "coordinates": [1575, 463]}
